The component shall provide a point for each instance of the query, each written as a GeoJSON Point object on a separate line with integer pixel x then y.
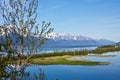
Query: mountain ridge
{"type": "Point", "coordinates": [67, 36]}
{"type": "Point", "coordinates": [64, 39]}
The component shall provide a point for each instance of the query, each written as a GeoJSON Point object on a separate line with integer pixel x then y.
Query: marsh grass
{"type": "Point", "coordinates": [63, 60]}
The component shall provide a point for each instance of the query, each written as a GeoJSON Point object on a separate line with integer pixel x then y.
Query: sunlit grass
{"type": "Point", "coordinates": [63, 60]}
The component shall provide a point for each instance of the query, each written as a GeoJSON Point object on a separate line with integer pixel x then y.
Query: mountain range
{"type": "Point", "coordinates": [63, 39]}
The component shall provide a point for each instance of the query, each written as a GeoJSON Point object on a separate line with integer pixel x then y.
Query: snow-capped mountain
{"type": "Point", "coordinates": [59, 39]}
{"type": "Point", "coordinates": [65, 36]}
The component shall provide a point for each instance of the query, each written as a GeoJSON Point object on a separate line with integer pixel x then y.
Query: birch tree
{"type": "Point", "coordinates": [20, 33]}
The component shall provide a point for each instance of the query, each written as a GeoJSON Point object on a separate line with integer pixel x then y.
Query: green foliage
{"type": "Point", "coordinates": [3, 64]}
{"type": "Point", "coordinates": [105, 49]}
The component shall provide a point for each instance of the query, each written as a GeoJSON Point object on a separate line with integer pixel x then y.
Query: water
{"type": "Point", "coordinates": [79, 72]}
{"type": "Point", "coordinates": [65, 48]}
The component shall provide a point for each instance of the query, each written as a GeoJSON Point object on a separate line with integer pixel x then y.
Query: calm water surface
{"type": "Point", "coordinates": [79, 72]}
{"type": "Point", "coordinates": [65, 48]}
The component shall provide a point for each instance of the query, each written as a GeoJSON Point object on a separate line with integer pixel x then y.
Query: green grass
{"type": "Point", "coordinates": [63, 61]}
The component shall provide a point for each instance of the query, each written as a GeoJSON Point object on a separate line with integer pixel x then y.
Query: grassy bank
{"type": "Point", "coordinates": [64, 60]}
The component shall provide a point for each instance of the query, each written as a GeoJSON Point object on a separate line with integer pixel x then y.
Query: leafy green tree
{"type": "Point", "coordinates": [19, 33]}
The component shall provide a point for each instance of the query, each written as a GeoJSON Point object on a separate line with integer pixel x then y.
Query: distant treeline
{"type": "Point", "coordinates": [99, 50]}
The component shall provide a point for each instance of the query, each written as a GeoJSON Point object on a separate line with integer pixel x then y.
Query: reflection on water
{"type": "Point", "coordinates": [78, 72]}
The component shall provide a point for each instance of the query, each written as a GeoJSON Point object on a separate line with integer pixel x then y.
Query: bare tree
{"type": "Point", "coordinates": [19, 32]}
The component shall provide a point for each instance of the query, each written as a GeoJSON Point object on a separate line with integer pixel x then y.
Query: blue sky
{"type": "Point", "coordinates": [92, 18]}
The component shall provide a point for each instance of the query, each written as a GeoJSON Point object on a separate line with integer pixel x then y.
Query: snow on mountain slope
{"type": "Point", "coordinates": [59, 39]}
{"type": "Point", "coordinates": [63, 39]}
{"type": "Point", "coordinates": [65, 36]}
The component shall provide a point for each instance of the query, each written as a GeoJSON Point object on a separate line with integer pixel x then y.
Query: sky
{"type": "Point", "coordinates": [92, 18]}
